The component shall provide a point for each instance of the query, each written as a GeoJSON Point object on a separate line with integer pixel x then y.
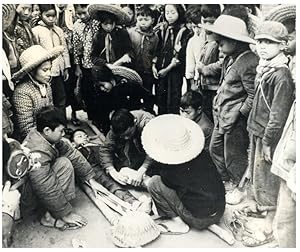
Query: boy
{"type": "Point", "coordinates": [144, 43]}
{"type": "Point", "coordinates": [90, 150]}
{"type": "Point", "coordinates": [271, 105]}
{"type": "Point", "coordinates": [191, 108]}
{"type": "Point", "coordinates": [233, 101]}
{"type": "Point", "coordinates": [54, 181]}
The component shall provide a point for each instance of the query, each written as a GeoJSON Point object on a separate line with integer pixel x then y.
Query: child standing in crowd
{"type": "Point", "coordinates": [168, 68]}
{"type": "Point", "coordinates": [233, 102]}
{"type": "Point", "coordinates": [144, 43]}
{"type": "Point", "coordinates": [209, 76]}
{"type": "Point", "coordinates": [49, 35]}
{"type": "Point", "coordinates": [84, 31]}
{"type": "Point", "coordinates": [23, 32]}
{"type": "Point", "coordinates": [35, 15]}
{"type": "Point", "coordinates": [111, 43]}
{"type": "Point", "coordinates": [271, 105]}
{"type": "Point", "coordinates": [129, 9]}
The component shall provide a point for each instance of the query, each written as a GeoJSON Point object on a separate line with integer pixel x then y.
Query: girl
{"type": "Point", "coordinates": [49, 35]}
{"type": "Point", "coordinates": [168, 67]}
{"type": "Point", "coordinates": [34, 91]}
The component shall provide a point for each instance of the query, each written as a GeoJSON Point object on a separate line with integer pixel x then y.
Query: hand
{"type": "Point", "coordinates": [126, 59]}
{"type": "Point", "coordinates": [267, 153]}
{"type": "Point", "coordinates": [174, 62]}
{"type": "Point", "coordinates": [136, 178]}
{"type": "Point", "coordinates": [66, 74]}
{"type": "Point", "coordinates": [154, 71]}
{"type": "Point", "coordinates": [121, 179]}
{"type": "Point", "coordinates": [78, 71]}
{"type": "Point", "coordinates": [199, 66]}
{"type": "Point", "coordinates": [163, 73]}
{"type": "Point", "coordinates": [10, 199]}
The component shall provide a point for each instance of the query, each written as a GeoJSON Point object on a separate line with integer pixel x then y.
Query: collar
{"type": "Point", "coordinates": [150, 33]}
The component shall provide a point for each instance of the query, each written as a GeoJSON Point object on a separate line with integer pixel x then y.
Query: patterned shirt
{"type": "Point", "coordinates": [83, 34]}
{"type": "Point", "coordinates": [24, 37]}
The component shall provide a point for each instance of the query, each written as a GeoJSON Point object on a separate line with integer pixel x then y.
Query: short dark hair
{"type": "Point", "coordinates": [46, 7]}
{"type": "Point", "coordinates": [103, 16]}
{"type": "Point", "coordinates": [237, 10]}
{"type": "Point", "coordinates": [51, 117]}
{"type": "Point", "coordinates": [191, 98]}
{"type": "Point", "coordinates": [193, 13]}
{"type": "Point", "coordinates": [210, 10]}
{"type": "Point", "coordinates": [100, 71]}
{"type": "Point", "coordinates": [73, 133]}
{"type": "Point", "coordinates": [121, 120]}
{"type": "Point", "coordinates": [145, 11]}
{"type": "Point", "coordinates": [76, 6]}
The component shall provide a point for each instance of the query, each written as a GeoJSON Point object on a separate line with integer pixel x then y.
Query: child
{"type": "Point", "coordinates": [111, 43]}
{"type": "Point", "coordinates": [23, 32]}
{"type": "Point", "coordinates": [144, 43]}
{"type": "Point", "coordinates": [191, 107]}
{"type": "Point", "coordinates": [54, 181]}
{"type": "Point", "coordinates": [189, 190]}
{"type": "Point", "coordinates": [209, 80]}
{"type": "Point", "coordinates": [49, 35]}
{"type": "Point", "coordinates": [83, 32]}
{"type": "Point", "coordinates": [233, 101]}
{"type": "Point", "coordinates": [90, 150]}
{"type": "Point", "coordinates": [169, 66]}
{"type": "Point", "coordinates": [271, 105]}
{"type": "Point", "coordinates": [129, 9]}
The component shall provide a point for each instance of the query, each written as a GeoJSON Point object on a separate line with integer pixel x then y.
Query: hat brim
{"type": "Point", "coordinates": [154, 142]}
{"type": "Point", "coordinates": [268, 37]}
{"type": "Point", "coordinates": [282, 13]}
{"type": "Point", "coordinates": [8, 17]}
{"type": "Point", "coordinates": [122, 17]}
{"type": "Point", "coordinates": [27, 68]}
{"type": "Point", "coordinates": [227, 34]}
{"type": "Point", "coordinates": [126, 73]}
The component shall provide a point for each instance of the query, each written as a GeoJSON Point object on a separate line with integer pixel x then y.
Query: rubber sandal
{"type": "Point", "coordinates": [168, 231]}
{"type": "Point", "coordinates": [66, 226]}
{"type": "Point", "coordinates": [257, 239]}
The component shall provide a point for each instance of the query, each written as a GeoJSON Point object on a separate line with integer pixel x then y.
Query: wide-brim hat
{"type": "Point", "coordinates": [282, 13]}
{"type": "Point", "coordinates": [122, 17]}
{"type": "Point", "coordinates": [172, 139]}
{"type": "Point", "coordinates": [33, 57]}
{"type": "Point", "coordinates": [126, 73]}
{"type": "Point", "coordinates": [230, 27]}
{"type": "Point", "coordinates": [8, 15]}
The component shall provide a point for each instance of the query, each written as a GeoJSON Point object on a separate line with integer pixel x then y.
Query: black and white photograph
{"type": "Point", "coordinates": [158, 125]}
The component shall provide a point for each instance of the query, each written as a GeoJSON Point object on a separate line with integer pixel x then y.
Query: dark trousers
{"type": "Point", "coordinates": [148, 83]}
{"type": "Point", "coordinates": [169, 205]}
{"type": "Point", "coordinates": [59, 93]}
{"type": "Point", "coordinates": [208, 96]}
{"type": "Point", "coordinates": [229, 151]}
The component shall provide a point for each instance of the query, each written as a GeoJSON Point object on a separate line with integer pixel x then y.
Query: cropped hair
{"type": "Point", "coordinates": [51, 117]}
{"type": "Point", "coordinates": [238, 11]}
{"type": "Point", "coordinates": [76, 6]}
{"type": "Point", "coordinates": [145, 11]}
{"type": "Point", "coordinates": [210, 10]}
{"type": "Point", "coordinates": [47, 7]}
{"type": "Point", "coordinates": [191, 98]}
{"type": "Point", "coordinates": [193, 13]}
{"type": "Point", "coordinates": [100, 71]}
{"type": "Point", "coordinates": [121, 120]}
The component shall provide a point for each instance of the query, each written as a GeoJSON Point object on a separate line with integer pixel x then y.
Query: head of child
{"type": "Point", "coordinates": [103, 76]}
{"type": "Point", "coordinates": [36, 12]}
{"type": "Point", "coordinates": [123, 124]}
{"type": "Point", "coordinates": [193, 18]}
{"type": "Point", "coordinates": [48, 14]}
{"type": "Point", "coordinates": [24, 11]}
{"type": "Point", "coordinates": [82, 12]}
{"type": "Point", "coordinates": [210, 12]}
{"type": "Point", "coordinates": [129, 9]}
{"type": "Point", "coordinates": [50, 123]}
{"type": "Point", "coordinates": [271, 37]}
{"type": "Point", "coordinates": [191, 105]}
{"type": "Point", "coordinates": [145, 18]}
{"type": "Point", "coordinates": [79, 137]}
{"type": "Point", "coordinates": [107, 20]}
{"type": "Point", "coordinates": [174, 14]}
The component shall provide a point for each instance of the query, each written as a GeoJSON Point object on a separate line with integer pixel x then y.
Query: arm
{"type": "Point", "coordinates": [190, 61]}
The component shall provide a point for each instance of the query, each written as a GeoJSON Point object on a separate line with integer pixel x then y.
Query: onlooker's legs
{"type": "Point", "coordinates": [59, 93]}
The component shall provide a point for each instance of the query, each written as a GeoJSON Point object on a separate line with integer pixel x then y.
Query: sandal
{"type": "Point", "coordinates": [66, 226]}
{"type": "Point", "coordinates": [257, 239]}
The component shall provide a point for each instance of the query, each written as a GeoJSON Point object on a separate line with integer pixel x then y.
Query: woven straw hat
{"type": "Point", "coordinates": [126, 73]}
{"type": "Point", "coordinates": [122, 17]}
{"type": "Point", "coordinates": [282, 13]}
{"type": "Point", "coordinates": [172, 139]}
{"type": "Point", "coordinates": [133, 230]}
{"type": "Point", "coordinates": [8, 15]}
{"type": "Point", "coordinates": [33, 57]}
{"type": "Point", "coordinates": [230, 27]}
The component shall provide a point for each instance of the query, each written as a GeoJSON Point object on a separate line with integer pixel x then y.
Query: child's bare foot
{"type": "Point", "coordinates": [48, 221]}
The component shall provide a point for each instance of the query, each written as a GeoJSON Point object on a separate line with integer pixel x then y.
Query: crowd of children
{"type": "Point", "coordinates": [127, 64]}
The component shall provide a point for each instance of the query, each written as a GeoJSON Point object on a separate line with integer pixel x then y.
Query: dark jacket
{"type": "Point", "coordinates": [198, 185]}
{"type": "Point", "coordinates": [279, 90]}
{"type": "Point", "coordinates": [236, 92]}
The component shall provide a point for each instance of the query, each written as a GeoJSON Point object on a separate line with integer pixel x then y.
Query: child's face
{"type": "Point", "coordinates": [24, 11]}
{"type": "Point", "coordinates": [268, 49]}
{"type": "Point", "coordinates": [108, 25]}
{"type": "Point", "coordinates": [49, 17]}
{"type": "Point", "coordinates": [208, 21]}
{"type": "Point", "coordinates": [129, 12]}
{"type": "Point", "coordinates": [190, 112]}
{"type": "Point", "coordinates": [36, 11]}
{"type": "Point", "coordinates": [80, 138]}
{"type": "Point", "coordinates": [227, 46]}
{"type": "Point", "coordinates": [54, 136]}
{"type": "Point", "coordinates": [43, 72]}
{"type": "Point", "coordinates": [196, 29]}
{"type": "Point", "coordinates": [105, 86]}
{"type": "Point", "coordinates": [171, 13]}
{"type": "Point", "coordinates": [82, 14]}
{"type": "Point", "coordinates": [144, 22]}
